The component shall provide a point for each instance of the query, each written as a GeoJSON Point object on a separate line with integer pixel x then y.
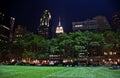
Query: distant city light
{"type": "Point", "coordinates": [78, 25]}
{"type": "Point", "coordinates": [12, 60]}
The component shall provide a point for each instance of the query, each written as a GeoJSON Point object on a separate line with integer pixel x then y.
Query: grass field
{"type": "Point", "coordinates": [57, 72]}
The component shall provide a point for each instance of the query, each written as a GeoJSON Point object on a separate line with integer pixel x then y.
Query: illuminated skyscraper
{"type": "Point", "coordinates": [59, 28]}
{"type": "Point", "coordinates": [44, 27]}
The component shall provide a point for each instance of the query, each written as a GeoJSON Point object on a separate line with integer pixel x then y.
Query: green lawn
{"type": "Point", "coordinates": [57, 72]}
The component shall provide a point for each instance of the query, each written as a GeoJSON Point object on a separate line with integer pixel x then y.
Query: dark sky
{"type": "Point", "coordinates": [28, 12]}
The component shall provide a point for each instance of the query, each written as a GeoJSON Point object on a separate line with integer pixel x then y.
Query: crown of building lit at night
{"type": "Point", "coordinates": [44, 21]}
{"type": "Point", "coordinates": [59, 28]}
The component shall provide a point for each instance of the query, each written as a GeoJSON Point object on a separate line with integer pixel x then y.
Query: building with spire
{"type": "Point", "coordinates": [59, 28]}
{"type": "Point", "coordinates": [44, 28]}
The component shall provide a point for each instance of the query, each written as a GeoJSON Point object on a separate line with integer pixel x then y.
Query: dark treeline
{"type": "Point", "coordinates": [67, 45]}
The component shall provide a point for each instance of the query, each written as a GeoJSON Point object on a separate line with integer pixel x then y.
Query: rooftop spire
{"type": "Point", "coordinates": [59, 22]}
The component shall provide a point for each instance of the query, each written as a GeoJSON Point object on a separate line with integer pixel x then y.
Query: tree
{"type": "Point", "coordinates": [110, 41]}
{"type": "Point", "coordinates": [66, 45]}
{"type": "Point", "coordinates": [117, 37]}
{"type": "Point", "coordinates": [4, 51]}
{"type": "Point", "coordinates": [78, 45]}
{"type": "Point", "coordinates": [33, 46]}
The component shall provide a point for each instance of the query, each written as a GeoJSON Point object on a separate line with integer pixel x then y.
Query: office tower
{"type": "Point", "coordinates": [102, 23]}
{"type": "Point", "coordinates": [19, 32]}
{"type": "Point", "coordinates": [12, 21]}
{"type": "Point", "coordinates": [116, 20]}
{"type": "Point", "coordinates": [2, 15]}
{"type": "Point", "coordinates": [4, 33]}
{"type": "Point", "coordinates": [59, 28]}
{"type": "Point", "coordinates": [84, 25]}
{"type": "Point", "coordinates": [44, 28]}
{"type": "Point", "coordinates": [98, 23]}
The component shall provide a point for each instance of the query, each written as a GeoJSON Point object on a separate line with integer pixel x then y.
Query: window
{"type": "Point", "coordinates": [105, 53]}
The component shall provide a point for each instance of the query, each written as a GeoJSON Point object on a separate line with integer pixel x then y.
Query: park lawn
{"type": "Point", "coordinates": [57, 72]}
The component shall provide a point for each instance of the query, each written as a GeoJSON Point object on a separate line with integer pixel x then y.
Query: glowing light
{"type": "Point", "coordinates": [91, 59]}
{"type": "Point", "coordinates": [110, 53]}
{"type": "Point", "coordinates": [105, 53]}
{"type": "Point", "coordinates": [109, 59]}
{"type": "Point", "coordinates": [115, 62]}
{"type": "Point", "coordinates": [59, 29]}
{"type": "Point", "coordinates": [118, 60]}
{"type": "Point", "coordinates": [114, 53]}
{"type": "Point", "coordinates": [44, 62]}
{"type": "Point", "coordinates": [103, 60]}
{"type": "Point", "coordinates": [64, 61]}
{"type": "Point", "coordinates": [51, 63]}
{"type": "Point", "coordinates": [13, 60]}
{"type": "Point", "coordinates": [78, 25]}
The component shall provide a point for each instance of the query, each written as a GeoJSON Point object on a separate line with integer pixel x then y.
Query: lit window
{"type": "Point", "coordinates": [103, 60]}
{"type": "Point", "coordinates": [115, 62]}
{"type": "Point", "coordinates": [118, 60]}
{"type": "Point", "coordinates": [16, 35]}
{"type": "Point", "coordinates": [60, 27]}
{"type": "Point", "coordinates": [78, 25]}
{"type": "Point", "coordinates": [109, 59]}
{"type": "Point", "coordinates": [105, 53]}
{"type": "Point", "coordinates": [45, 23]}
{"type": "Point", "coordinates": [110, 53]}
{"type": "Point", "coordinates": [114, 53]}
{"type": "Point", "coordinates": [91, 59]}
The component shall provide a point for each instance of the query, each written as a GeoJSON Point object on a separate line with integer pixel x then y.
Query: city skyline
{"type": "Point", "coordinates": [28, 13]}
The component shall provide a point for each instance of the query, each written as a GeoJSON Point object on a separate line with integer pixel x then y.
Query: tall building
{"type": "Point", "coordinates": [2, 15]}
{"type": "Point", "coordinates": [97, 23]}
{"type": "Point", "coordinates": [85, 25]}
{"type": "Point", "coordinates": [4, 33]}
{"type": "Point", "coordinates": [19, 32]}
{"type": "Point", "coordinates": [102, 23]}
{"type": "Point", "coordinates": [12, 21]}
{"type": "Point", "coordinates": [59, 28]}
{"type": "Point", "coordinates": [44, 28]}
{"type": "Point", "coordinates": [116, 20]}
{"type": "Point", "coordinates": [4, 30]}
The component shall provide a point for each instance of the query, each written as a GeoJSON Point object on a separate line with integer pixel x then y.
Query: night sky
{"type": "Point", "coordinates": [28, 12]}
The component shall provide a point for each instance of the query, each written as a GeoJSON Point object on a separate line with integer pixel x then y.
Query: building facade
{"type": "Point", "coordinates": [19, 32]}
{"type": "Point", "coordinates": [44, 28]}
{"type": "Point", "coordinates": [4, 33]}
{"type": "Point", "coordinates": [97, 23]}
{"type": "Point", "coordinates": [12, 21]}
{"type": "Point", "coordinates": [85, 25]}
{"type": "Point", "coordinates": [102, 23]}
{"type": "Point", "coordinates": [2, 15]}
{"type": "Point", "coordinates": [59, 28]}
{"type": "Point", "coordinates": [4, 30]}
{"type": "Point", "coordinates": [116, 20]}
